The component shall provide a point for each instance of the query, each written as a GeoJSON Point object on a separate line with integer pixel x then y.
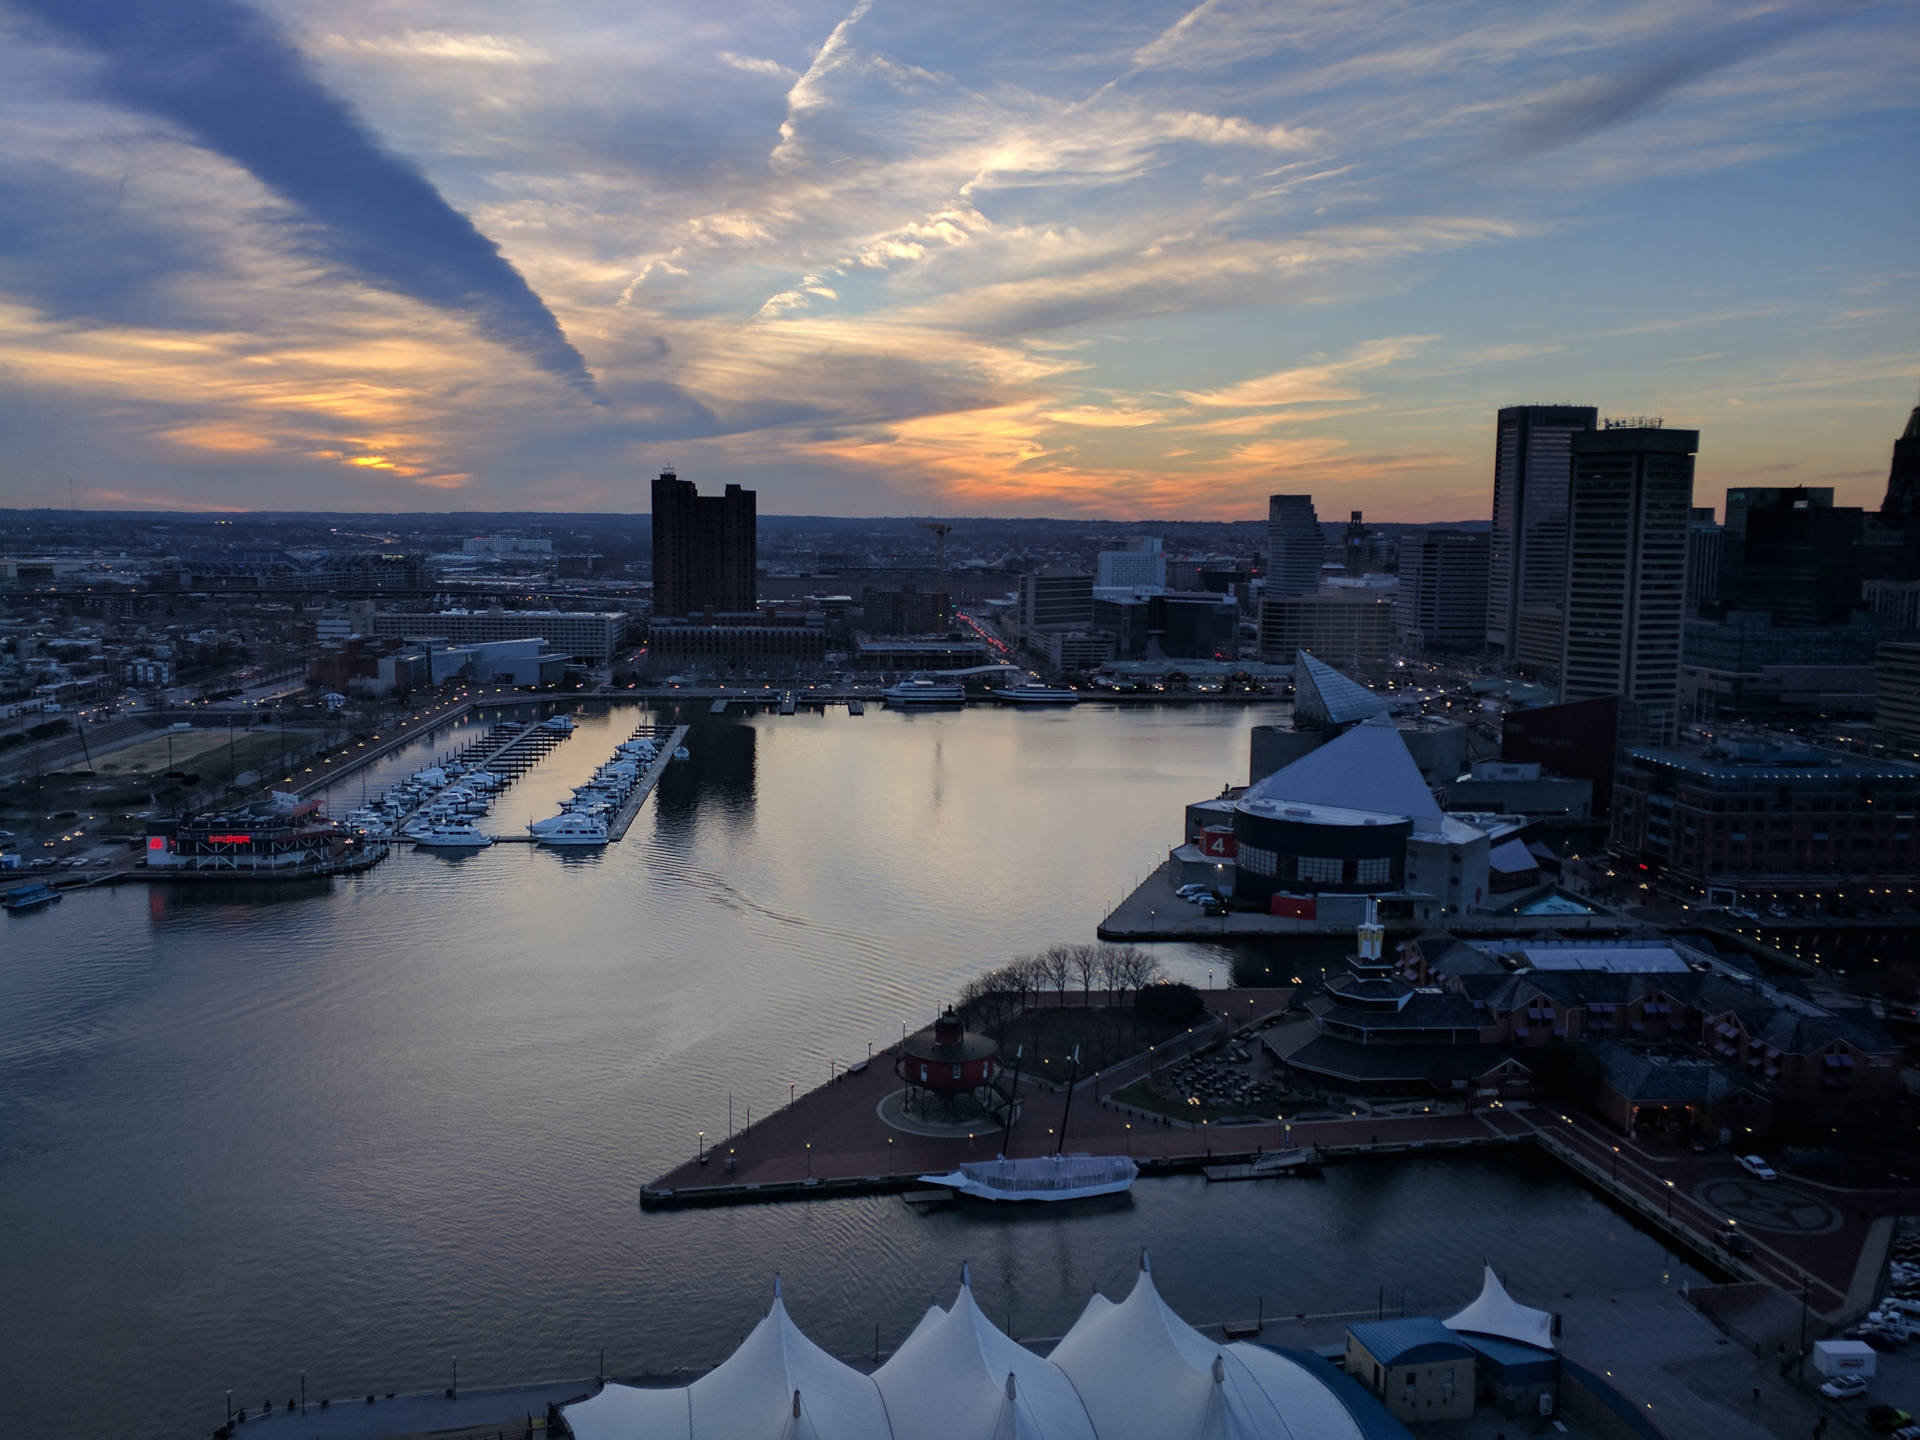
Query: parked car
{"type": "Point", "coordinates": [1757, 1168]}
{"type": "Point", "coordinates": [1886, 1418]}
{"type": "Point", "coordinates": [1734, 1242]}
{"type": "Point", "coordinates": [1844, 1387]}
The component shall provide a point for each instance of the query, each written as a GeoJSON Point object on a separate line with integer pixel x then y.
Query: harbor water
{"type": "Point", "coordinates": [362, 1127]}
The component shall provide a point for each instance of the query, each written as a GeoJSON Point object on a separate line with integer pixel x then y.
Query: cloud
{"type": "Point", "coordinates": [755, 65]}
{"type": "Point", "coordinates": [1321, 382]}
{"type": "Point", "coordinates": [1227, 130]}
{"type": "Point", "coordinates": [1575, 109]}
{"type": "Point", "coordinates": [809, 92]}
{"type": "Point", "coordinates": [439, 45]}
{"type": "Point", "coordinates": [232, 79]}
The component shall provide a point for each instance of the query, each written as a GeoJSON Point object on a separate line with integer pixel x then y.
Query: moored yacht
{"type": "Point", "coordinates": [448, 835]}
{"type": "Point", "coordinates": [924, 691]}
{"type": "Point", "coordinates": [569, 828]}
{"type": "Point", "coordinates": [1034, 693]}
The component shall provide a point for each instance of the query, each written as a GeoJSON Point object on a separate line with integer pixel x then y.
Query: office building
{"type": "Point", "coordinates": [1527, 562]}
{"type": "Point", "coordinates": [1178, 626]}
{"type": "Point", "coordinates": [703, 549]}
{"type": "Point", "coordinates": [1894, 603]}
{"type": "Point", "coordinates": [1351, 629]}
{"type": "Point", "coordinates": [1897, 696]}
{"type": "Point", "coordinates": [1705, 543]}
{"type": "Point", "coordinates": [1295, 547]}
{"type": "Point", "coordinates": [1801, 564]}
{"type": "Point", "coordinates": [1140, 565]}
{"type": "Point", "coordinates": [1052, 600]}
{"type": "Point", "coordinates": [1747, 666]}
{"type": "Point", "coordinates": [1742, 500]}
{"type": "Point", "coordinates": [1627, 517]}
{"type": "Point", "coordinates": [1442, 602]}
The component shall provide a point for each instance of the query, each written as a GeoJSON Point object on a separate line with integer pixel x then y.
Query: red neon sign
{"type": "Point", "coordinates": [156, 842]}
{"type": "Point", "coordinates": [229, 839]}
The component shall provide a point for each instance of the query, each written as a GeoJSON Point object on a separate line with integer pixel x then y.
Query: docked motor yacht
{"type": "Point", "coordinates": [448, 835]}
{"type": "Point", "coordinates": [1034, 693]}
{"type": "Point", "coordinates": [569, 828]}
{"type": "Point", "coordinates": [924, 691]}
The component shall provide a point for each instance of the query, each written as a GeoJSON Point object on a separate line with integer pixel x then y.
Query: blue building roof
{"type": "Point", "coordinates": [1376, 1422]}
{"type": "Point", "coordinates": [1415, 1341]}
{"type": "Point", "coordinates": [1511, 1361]}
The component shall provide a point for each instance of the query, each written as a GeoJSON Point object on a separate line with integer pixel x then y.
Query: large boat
{"type": "Point", "coordinates": [559, 724]}
{"type": "Point", "coordinates": [448, 835]}
{"type": "Point", "coordinates": [1041, 1177]}
{"type": "Point", "coordinates": [569, 828]}
{"type": "Point", "coordinates": [29, 897]}
{"type": "Point", "coordinates": [924, 691]}
{"type": "Point", "coordinates": [1034, 693]}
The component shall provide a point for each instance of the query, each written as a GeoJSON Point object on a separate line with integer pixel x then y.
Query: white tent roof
{"type": "Point", "coordinates": [1498, 1314]}
{"type": "Point", "coordinates": [1131, 1371]}
{"type": "Point", "coordinates": [948, 1381]}
{"type": "Point", "coordinates": [1367, 768]}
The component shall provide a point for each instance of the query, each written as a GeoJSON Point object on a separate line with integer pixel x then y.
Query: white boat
{"type": "Point", "coordinates": [923, 690]}
{"type": "Point", "coordinates": [449, 835]}
{"type": "Point", "coordinates": [1034, 693]}
{"type": "Point", "coordinates": [569, 828]}
{"type": "Point", "coordinates": [680, 752]}
{"type": "Point", "coordinates": [1041, 1177]}
{"type": "Point", "coordinates": [560, 724]}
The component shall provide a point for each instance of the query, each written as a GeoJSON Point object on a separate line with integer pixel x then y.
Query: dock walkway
{"type": "Point", "coordinates": [671, 742]}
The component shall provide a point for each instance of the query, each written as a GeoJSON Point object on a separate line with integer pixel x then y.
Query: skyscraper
{"type": "Point", "coordinates": [1742, 501]}
{"type": "Point", "coordinates": [1527, 564]}
{"type": "Point", "coordinates": [1442, 602]}
{"type": "Point", "coordinates": [703, 548]}
{"type": "Point", "coordinates": [1295, 547]}
{"type": "Point", "coordinates": [1625, 606]}
{"type": "Point", "coordinates": [1901, 508]}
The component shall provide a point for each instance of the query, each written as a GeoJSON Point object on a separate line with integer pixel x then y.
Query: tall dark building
{"type": "Point", "coordinates": [1901, 508]}
{"type": "Point", "coordinates": [1745, 500]}
{"type": "Point", "coordinates": [1527, 564]}
{"type": "Point", "coordinates": [703, 548]}
{"type": "Point", "coordinates": [1296, 549]}
{"type": "Point", "coordinates": [1626, 595]}
{"type": "Point", "coordinates": [1801, 566]}
{"type": "Point", "coordinates": [1442, 601]}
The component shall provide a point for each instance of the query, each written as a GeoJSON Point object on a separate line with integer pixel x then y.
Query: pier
{"type": "Point", "coordinates": [508, 749]}
{"type": "Point", "coordinates": [670, 741]}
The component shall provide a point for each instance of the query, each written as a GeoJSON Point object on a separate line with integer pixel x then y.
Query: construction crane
{"type": "Point", "coordinates": [940, 530]}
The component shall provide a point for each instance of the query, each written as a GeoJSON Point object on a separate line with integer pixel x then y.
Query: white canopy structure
{"type": "Point", "coordinates": [1131, 1371]}
{"type": "Point", "coordinates": [1498, 1314]}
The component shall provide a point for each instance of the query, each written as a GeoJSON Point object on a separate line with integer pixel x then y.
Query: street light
{"type": "Point", "coordinates": [1616, 1164]}
{"type": "Point", "coordinates": [1669, 1200]}
{"type": "Point", "coordinates": [809, 1159]}
{"type": "Point", "coordinates": [702, 1150]}
{"type": "Point", "coordinates": [889, 1156]}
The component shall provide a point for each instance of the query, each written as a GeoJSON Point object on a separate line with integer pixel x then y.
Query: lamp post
{"type": "Point", "coordinates": [809, 1159]}
{"type": "Point", "coordinates": [701, 1149]}
{"type": "Point", "coordinates": [790, 1085]}
{"type": "Point", "coordinates": [229, 1393]}
{"type": "Point", "coordinates": [1129, 1137]}
{"type": "Point", "coordinates": [1616, 1164]}
{"type": "Point", "coordinates": [1669, 1200]}
{"type": "Point", "coordinates": [889, 1157]}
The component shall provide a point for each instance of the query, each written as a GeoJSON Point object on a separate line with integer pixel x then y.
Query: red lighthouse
{"type": "Point", "coordinates": [946, 1059]}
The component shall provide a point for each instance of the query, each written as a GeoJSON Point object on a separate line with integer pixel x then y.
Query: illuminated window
{"type": "Point", "coordinates": [1373, 872]}
{"type": "Point", "coordinates": [1314, 867]}
{"type": "Point", "coordinates": [1256, 861]}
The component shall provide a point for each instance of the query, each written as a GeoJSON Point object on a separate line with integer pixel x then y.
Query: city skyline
{"type": "Point", "coordinates": [879, 261]}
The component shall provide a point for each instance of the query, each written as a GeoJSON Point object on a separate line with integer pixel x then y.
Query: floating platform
{"type": "Point", "coordinates": [1275, 1165]}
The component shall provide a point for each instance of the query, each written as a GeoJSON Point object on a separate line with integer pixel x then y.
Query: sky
{"type": "Point", "coordinates": [1075, 258]}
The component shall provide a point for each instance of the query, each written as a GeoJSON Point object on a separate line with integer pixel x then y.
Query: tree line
{"type": "Point", "coordinates": [991, 999]}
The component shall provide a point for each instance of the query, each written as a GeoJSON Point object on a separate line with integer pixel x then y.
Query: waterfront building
{"type": "Point", "coordinates": [1441, 604]}
{"type": "Point", "coordinates": [885, 652]}
{"type": "Point", "coordinates": [1627, 512]}
{"type": "Point", "coordinates": [704, 548]}
{"type": "Point", "coordinates": [1200, 625]}
{"type": "Point", "coordinates": [1296, 548]}
{"type": "Point", "coordinates": [594, 636]}
{"type": "Point", "coordinates": [1140, 565]}
{"type": "Point", "coordinates": [1418, 1368]}
{"type": "Point", "coordinates": [1761, 813]}
{"type": "Point", "coordinates": [1126, 1370]}
{"type": "Point", "coordinates": [1347, 626]}
{"type": "Point", "coordinates": [501, 662]}
{"type": "Point", "coordinates": [1071, 652]}
{"type": "Point", "coordinates": [905, 610]}
{"type": "Point", "coordinates": [1896, 715]}
{"type": "Point", "coordinates": [1326, 702]}
{"type": "Point", "coordinates": [284, 835]}
{"type": "Point", "coordinates": [1527, 556]}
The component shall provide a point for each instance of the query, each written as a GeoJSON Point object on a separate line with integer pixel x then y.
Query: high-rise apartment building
{"type": "Point", "coordinates": [1527, 564]}
{"type": "Point", "coordinates": [703, 549]}
{"type": "Point", "coordinates": [1056, 600]}
{"type": "Point", "coordinates": [1441, 605]}
{"type": "Point", "coordinates": [1295, 547]}
{"type": "Point", "coordinates": [1626, 595]}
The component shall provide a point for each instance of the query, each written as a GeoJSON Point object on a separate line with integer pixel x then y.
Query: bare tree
{"type": "Point", "coordinates": [1085, 960]}
{"type": "Point", "coordinates": [1136, 968]}
{"type": "Point", "coordinates": [1111, 970]}
{"type": "Point", "coordinates": [1056, 966]}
